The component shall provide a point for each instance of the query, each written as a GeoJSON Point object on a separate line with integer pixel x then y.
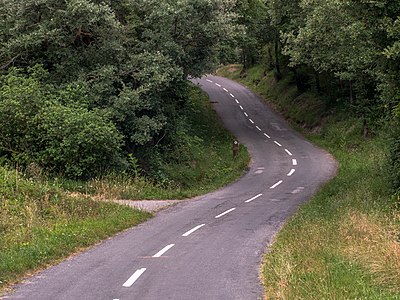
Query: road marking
{"type": "Point", "coordinates": [193, 230]}
{"type": "Point", "coordinates": [218, 85]}
{"type": "Point", "coordinates": [267, 135]}
{"type": "Point", "coordinates": [226, 90]}
{"type": "Point", "coordinates": [252, 122]}
{"type": "Point", "coordinates": [245, 113]}
{"type": "Point", "coordinates": [276, 184]}
{"type": "Point", "coordinates": [209, 80]}
{"type": "Point", "coordinates": [254, 198]}
{"type": "Point", "coordinates": [134, 277]}
{"type": "Point", "coordinates": [237, 101]}
{"type": "Point", "coordinates": [288, 152]}
{"type": "Point", "coordinates": [232, 96]}
{"type": "Point", "coordinates": [241, 107]}
{"type": "Point", "coordinates": [165, 249]}
{"type": "Point", "coordinates": [258, 128]}
{"type": "Point", "coordinates": [291, 172]}
{"type": "Point", "coordinates": [294, 161]}
{"type": "Point", "coordinates": [277, 143]}
{"type": "Point", "coordinates": [226, 212]}
{"type": "Point", "coordinates": [298, 190]}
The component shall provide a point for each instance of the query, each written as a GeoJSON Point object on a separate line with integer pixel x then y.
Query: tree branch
{"type": "Point", "coordinates": [5, 66]}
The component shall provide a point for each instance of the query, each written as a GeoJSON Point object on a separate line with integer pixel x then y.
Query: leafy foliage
{"type": "Point", "coordinates": [346, 50]}
{"type": "Point", "coordinates": [37, 127]}
{"type": "Point", "coordinates": [115, 70]}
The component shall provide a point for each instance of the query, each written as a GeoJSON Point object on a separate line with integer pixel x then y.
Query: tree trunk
{"type": "Point", "coordinates": [298, 83]}
{"type": "Point", "coordinates": [278, 74]}
{"type": "Point", "coordinates": [271, 59]}
{"type": "Point", "coordinates": [318, 82]}
{"type": "Point", "coordinates": [365, 127]}
{"type": "Point", "coordinates": [351, 92]}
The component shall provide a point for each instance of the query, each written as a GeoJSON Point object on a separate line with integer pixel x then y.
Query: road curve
{"type": "Point", "coordinates": [210, 247]}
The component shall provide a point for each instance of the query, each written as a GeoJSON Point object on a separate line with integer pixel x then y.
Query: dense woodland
{"type": "Point", "coordinates": [346, 51]}
{"type": "Point", "coordinates": [89, 87]}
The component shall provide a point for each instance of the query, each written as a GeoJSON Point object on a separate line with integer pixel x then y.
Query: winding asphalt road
{"type": "Point", "coordinates": [210, 247]}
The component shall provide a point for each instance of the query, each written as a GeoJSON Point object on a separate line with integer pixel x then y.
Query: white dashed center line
{"type": "Point", "coordinates": [193, 230]}
{"type": "Point", "coordinates": [291, 172]}
{"type": "Point", "coordinates": [254, 198]}
{"type": "Point", "coordinates": [298, 190]}
{"type": "Point", "coordinates": [165, 249]}
{"type": "Point", "coordinates": [140, 272]}
{"type": "Point", "coordinates": [226, 212]}
{"type": "Point", "coordinates": [134, 277]}
{"type": "Point", "coordinates": [276, 184]}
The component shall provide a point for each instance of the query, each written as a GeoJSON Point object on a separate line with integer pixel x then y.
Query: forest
{"type": "Point", "coordinates": [345, 52]}
{"type": "Point", "coordinates": [89, 87]}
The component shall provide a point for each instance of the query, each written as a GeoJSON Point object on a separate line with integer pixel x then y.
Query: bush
{"type": "Point", "coordinates": [36, 128]}
{"type": "Point", "coordinates": [76, 142]}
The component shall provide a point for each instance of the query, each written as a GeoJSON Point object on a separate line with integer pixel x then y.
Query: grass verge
{"type": "Point", "coordinates": [40, 224]}
{"type": "Point", "coordinates": [343, 243]}
{"type": "Point", "coordinates": [45, 220]}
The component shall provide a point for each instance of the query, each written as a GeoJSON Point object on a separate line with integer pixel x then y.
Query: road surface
{"type": "Point", "coordinates": [210, 247]}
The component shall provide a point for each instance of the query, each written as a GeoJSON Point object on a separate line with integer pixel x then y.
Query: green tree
{"type": "Point", "coordinates": [253, 17]}
{"type": "Point", "coordinates": [125, 61]}
{"type": "Point", "coordinates": [187, 31]}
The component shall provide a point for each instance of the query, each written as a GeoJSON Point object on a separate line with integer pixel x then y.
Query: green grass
{"type": "Point", "coordinates": [344, 243]}
{"type": "Point", "coordinates": [43, 220]}
{"type": "Point", "coordinates": [40, 223]}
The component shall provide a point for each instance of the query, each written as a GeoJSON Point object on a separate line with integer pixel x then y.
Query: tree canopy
{"type": "Point", "coordinates": [122, 64]}
{"type": "Point", "coordinates": [353, 45]}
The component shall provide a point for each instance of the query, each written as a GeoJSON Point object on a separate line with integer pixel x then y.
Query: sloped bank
{"type": "Point", "coordinates": [342, 244]}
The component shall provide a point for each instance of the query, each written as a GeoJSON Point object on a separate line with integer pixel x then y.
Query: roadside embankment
{"type": "Point", "coordinates": [344, 243]}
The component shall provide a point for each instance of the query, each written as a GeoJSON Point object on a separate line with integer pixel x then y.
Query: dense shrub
{"type": "Point", "coordinates": [76, 142]}
{"type": "Point", "coordinates": [35, 127]}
